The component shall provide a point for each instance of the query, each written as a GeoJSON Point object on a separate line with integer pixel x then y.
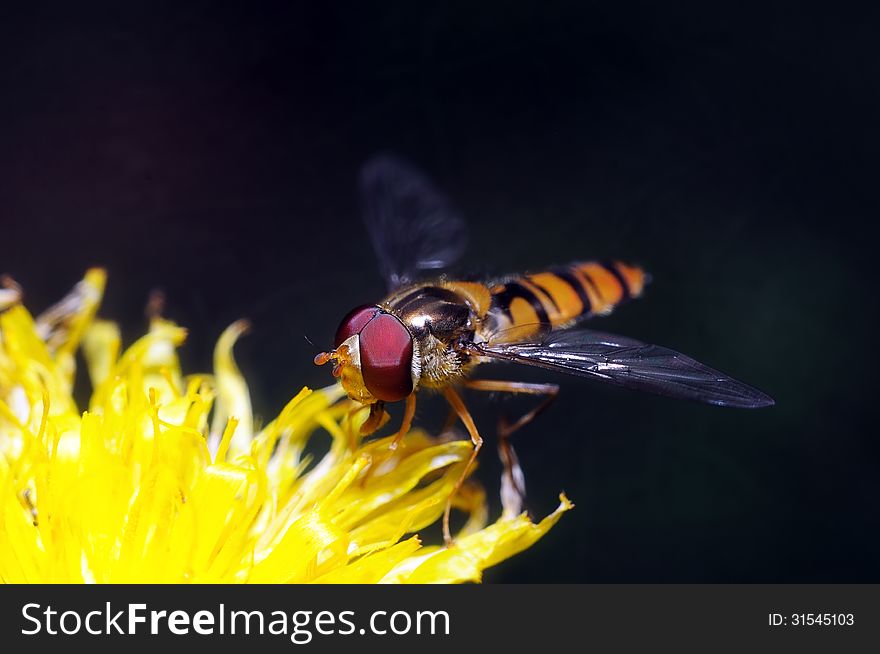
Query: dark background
{"type": "Point", "coordinates": [211, 151]}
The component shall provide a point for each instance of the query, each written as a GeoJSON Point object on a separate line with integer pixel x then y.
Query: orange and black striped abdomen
{"type": "Point", "coordinates": [563, 295]}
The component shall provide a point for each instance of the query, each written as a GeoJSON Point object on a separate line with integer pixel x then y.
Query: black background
{"type": "Point", "coordinates": [211, 150]}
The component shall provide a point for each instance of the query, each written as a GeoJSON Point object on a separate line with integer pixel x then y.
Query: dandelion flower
{"type": "Point", "coordinates": [166, 478]}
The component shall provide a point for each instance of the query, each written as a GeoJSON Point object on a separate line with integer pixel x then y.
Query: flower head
{"type": "Point", "coordinates": [167, 478]}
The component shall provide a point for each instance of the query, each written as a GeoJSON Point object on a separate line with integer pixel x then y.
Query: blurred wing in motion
{"type": "Point", "coordinates": [631, 364]}
{"type": "Point", "coordinates": [412, 225]}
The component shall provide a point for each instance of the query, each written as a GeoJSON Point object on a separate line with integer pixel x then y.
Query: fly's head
{"type": "Point", "coordinates": [375, 357]}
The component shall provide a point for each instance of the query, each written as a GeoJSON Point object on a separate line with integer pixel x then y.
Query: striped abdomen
{"type": "Point", "coordinates": [563, 295]}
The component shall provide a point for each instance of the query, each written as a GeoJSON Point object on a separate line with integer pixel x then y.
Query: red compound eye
{"type": "Point", "coordinates": [386, 349]}
{"type": "Point", "coordinates": [354, 322]}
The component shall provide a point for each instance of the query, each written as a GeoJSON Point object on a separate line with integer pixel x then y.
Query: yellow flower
{"type": "Point", "coordinates": [166, 478]}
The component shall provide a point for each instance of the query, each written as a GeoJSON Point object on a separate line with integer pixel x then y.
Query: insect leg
{"type": "Point", "coordinates": [378, 417]}
{"type": "Point", "coordinates": [409, 413]}
{"type": "Point", "coordinates": [499, 386]}
{"type": "Point", "coordinates": [455, 401]}
{"type": "Point", "coordinates": [513, 485]}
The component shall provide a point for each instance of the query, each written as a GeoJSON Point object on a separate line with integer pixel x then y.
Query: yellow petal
{"type": "Point", "coordinates": [465, 560]}
{"type": "Point", "coordinates": [164, 480]}
{"type": "Point", "coordinates": [233, 398]}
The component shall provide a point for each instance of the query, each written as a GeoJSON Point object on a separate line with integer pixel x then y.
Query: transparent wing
{"type": "Point", "coordinates": [412, 225]}
{"type": "Point", "coordinates": [632, 364]}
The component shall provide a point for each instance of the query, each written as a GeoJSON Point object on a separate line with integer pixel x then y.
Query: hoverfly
{"type": "Point", "coordinates": [430, 333]}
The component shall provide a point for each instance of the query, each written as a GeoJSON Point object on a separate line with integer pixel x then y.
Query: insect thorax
{"type": "Point", "coordinates": [438, 319]}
